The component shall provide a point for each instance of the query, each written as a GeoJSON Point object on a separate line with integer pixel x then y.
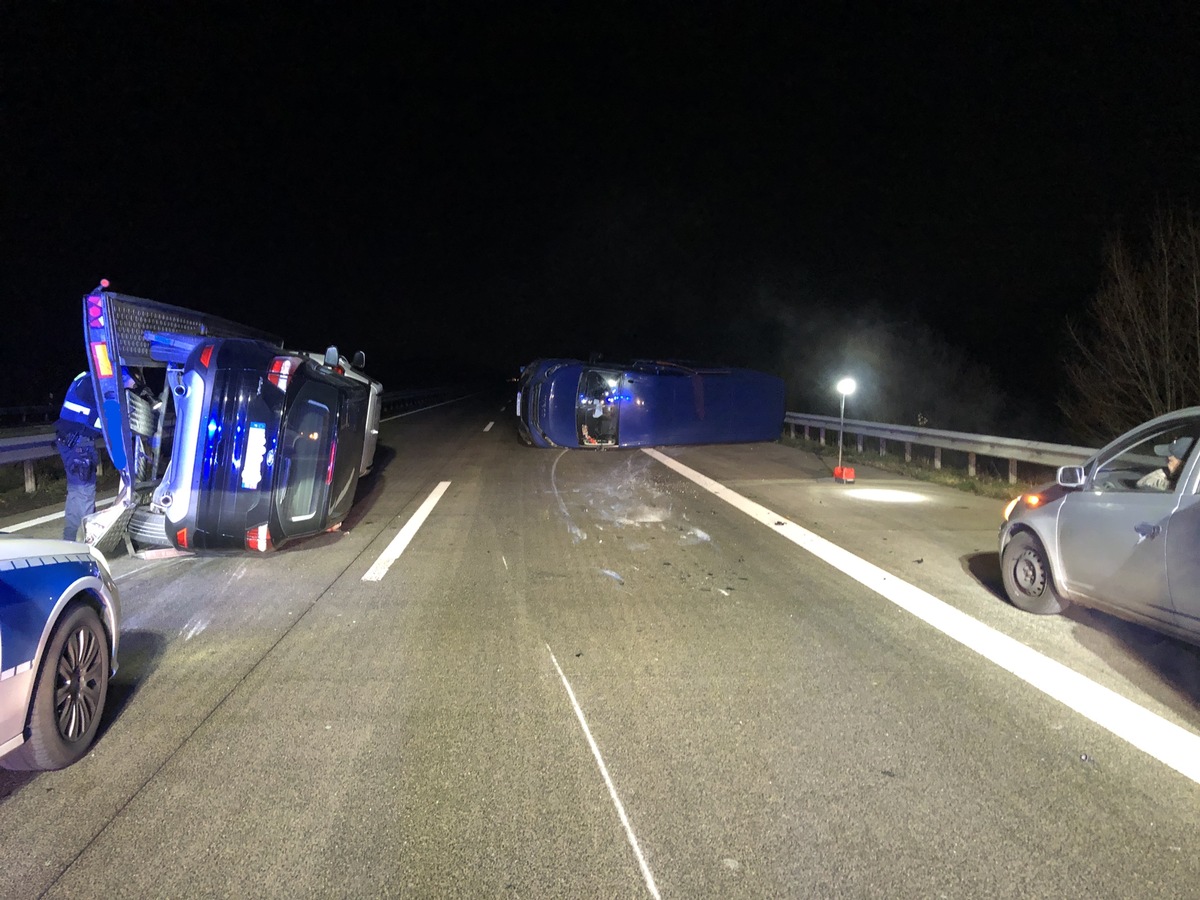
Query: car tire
{"type": "Point", "coordinates": [149, 529]}
{"type": "Point", "coordinates": [1028, 580]}
{"type": "Point", "coordinates": [66, 708]}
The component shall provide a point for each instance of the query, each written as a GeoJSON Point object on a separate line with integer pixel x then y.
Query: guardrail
{"type": "Point", "coordinates": [1011, 449]}
{"type": "Point", "coordinates": [28, 449]}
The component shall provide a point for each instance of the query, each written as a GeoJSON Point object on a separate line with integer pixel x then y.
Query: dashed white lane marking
{"type": "Point", "coordinates": [488, 426]}
{"type": "Point", "coordinates": [400, 541]}
{"type": "Point", "coordinates": [608, 782]}
{"type": "Point", "coordinates": [1165, 741]}
{"type": "Point", "coordinates": [413, 412]}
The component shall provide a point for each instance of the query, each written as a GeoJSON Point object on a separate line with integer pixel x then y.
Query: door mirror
{"type": "Point", "coordinates": [1071, 476]}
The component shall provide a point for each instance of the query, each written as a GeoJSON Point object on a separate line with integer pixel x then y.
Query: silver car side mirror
{"type": "Point", "coordinates": [1071, 476]}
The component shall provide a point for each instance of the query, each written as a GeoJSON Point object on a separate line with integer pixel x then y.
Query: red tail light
{"type": "Point", "coordinates": [95, 312]}
{"type": "Point", "coordinates": [181, 538]}
{"type": "Point", "coordinates": [258, 538]}
{"type": "Point", "coordinates": [206, 355]}
{"type": "Point", "coordinates": [281, 367]}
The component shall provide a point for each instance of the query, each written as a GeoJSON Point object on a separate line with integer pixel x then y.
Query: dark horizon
{"type": "Point", "coordinates": [496, 185]}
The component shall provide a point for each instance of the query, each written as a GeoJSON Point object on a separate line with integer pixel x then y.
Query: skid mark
{"type": "Point", "coordinates": [577, 533]}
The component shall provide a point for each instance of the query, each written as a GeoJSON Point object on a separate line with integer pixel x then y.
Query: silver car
{"type": "Point", "coordinates": [1120, 533]}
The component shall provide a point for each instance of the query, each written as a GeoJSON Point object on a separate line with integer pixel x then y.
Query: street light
{"type": "Point", "coordinates": [844, 387]}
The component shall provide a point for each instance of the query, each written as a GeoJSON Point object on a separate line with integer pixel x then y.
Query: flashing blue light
{"type": "Point", "coordinates": [212, 427]}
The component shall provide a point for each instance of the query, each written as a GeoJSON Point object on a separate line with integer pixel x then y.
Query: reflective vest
{"type": "Point", "coordinates": [79, 406]}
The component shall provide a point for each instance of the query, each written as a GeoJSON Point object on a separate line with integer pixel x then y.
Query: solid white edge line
{"type": "Point", "coordinates": [1165, 741]}
{"type": "Point", "coordinates": [488, 426]}
{"type": "Point", "coordinates": [400, 541]}
{"type": "Point", "coordinates": [608, 782]}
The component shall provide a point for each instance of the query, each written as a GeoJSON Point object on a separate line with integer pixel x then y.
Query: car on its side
{"type": "Point", "coordinates": [269, 445]}
{"type": "Point", "coordinates": [231, 442]}
{"type": "Point", "coordinates": [570, 403]}
{"type": "Point", "coordinates": [1118, 533]}
{"type": "Point", "coordinates": [59, 630]}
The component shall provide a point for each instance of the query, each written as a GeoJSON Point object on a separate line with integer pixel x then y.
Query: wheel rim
{"type": "Point", "coordinates": [79, 684]}
{"type": "Point", "coordinates": [1029, 573]}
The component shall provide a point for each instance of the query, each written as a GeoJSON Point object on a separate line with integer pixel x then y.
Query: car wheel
{"type": "Point", "coordinates": [1028, 580]}
{"type": "Point", "coordinates": [69, 694]}
{"type": "Point", "coordinates": [149, 529]}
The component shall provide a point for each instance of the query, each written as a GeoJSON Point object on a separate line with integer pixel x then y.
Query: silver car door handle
{"type": "Point", "coordinates": [1146, 530]}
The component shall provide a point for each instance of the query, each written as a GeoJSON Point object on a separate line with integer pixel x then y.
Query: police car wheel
{"type": "Point", "coordinates": [69, 694]}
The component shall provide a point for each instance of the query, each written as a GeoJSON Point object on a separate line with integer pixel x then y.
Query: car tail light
{"type": "Point", "coordinates": [258, 538]}
{"type": "Point", "coordinates": [103, 363]}
{"type": "Point", "coordinates": [206, 355]}
{"type": "Point", "coordinates": [95, 311]}
{"type": "Point", "coordinates": [181, 538]}
{"type": "Point", "coordinates": [281, 368]}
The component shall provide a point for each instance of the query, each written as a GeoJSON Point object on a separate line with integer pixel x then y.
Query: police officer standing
{"type": "Point", "coordinates": [77, 428]}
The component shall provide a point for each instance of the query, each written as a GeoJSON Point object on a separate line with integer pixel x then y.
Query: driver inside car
{"type": "Point", "coordinates": [1163, 478]}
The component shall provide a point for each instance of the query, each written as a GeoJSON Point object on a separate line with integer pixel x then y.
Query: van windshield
{"type": "Point", "coordinates": [597, 411]}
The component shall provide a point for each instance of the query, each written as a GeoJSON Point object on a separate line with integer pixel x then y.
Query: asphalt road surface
{"type": "Point", "coordinates": [586, 674]}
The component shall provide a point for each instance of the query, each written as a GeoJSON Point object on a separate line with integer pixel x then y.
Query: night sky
{"type": "Point", "coordinates": [476, 186]}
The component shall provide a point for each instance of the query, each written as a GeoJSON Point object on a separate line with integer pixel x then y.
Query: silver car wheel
{"type": "Point", "coordinates": [1029, 573]}
{"type": "Point", "coordinates": [1028, 580]}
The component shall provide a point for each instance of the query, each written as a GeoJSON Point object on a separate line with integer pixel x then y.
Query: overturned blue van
{"type": "Point", "coordinates": [570, 403]}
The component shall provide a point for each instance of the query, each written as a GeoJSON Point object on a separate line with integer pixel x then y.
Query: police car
{"type": "Point", "coordinates": [59, 621]}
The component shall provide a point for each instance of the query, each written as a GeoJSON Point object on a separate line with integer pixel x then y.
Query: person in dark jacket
{"type": "Point", "coordinates": [77, 428]}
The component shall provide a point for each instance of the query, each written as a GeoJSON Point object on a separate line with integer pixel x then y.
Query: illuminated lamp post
{"type": "Point", "coordinates": [843, 474]}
